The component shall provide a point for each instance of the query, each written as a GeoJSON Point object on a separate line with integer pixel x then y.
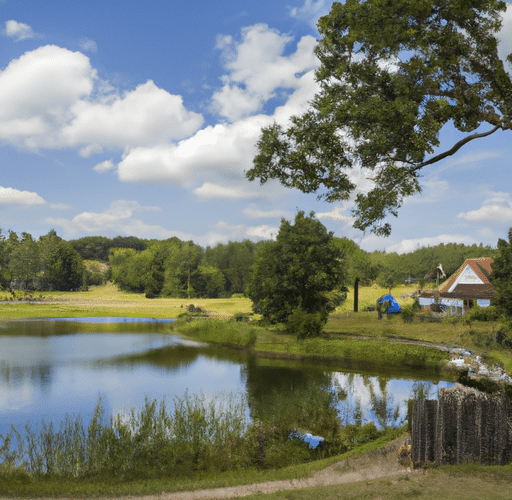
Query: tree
{"type": "Point", "coordinates": [295, 277]}
{"type": "Point", "coordinates": [65, 269]}
{"type": "Point", "coordinates": [501, 276]}
{"type": "Point", "coordinates": [392, 74]}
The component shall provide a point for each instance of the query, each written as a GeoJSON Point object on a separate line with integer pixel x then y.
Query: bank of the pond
{"type": "Point", "coordinates": [369, 354]}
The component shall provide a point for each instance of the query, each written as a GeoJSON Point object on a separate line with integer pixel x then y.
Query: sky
{"type": "Point", "coordinates": [141, 118]}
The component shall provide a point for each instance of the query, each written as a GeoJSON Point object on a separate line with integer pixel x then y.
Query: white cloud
{"type": "Point", "coordinates": [311, 11]}
{"type": "Point", "coordinates": [505, 35]}
{"type": "Point", "coordinates": [257, 69]}
{"type": "Point", "coordinates": [337, 214]}
{"type": "Point", "coordinates": [104, 166]}
{"type": "Point", "coordinates": [52, 98]}
{"type": "Point", "coordinates": [225, 232]}
{"type": "Point", "coordinates": [36, 92]}
{"type": "Point", "coordinates": [10, 196]}
{"type": "Point", "coordinates": [18, 31]}
{"type": "Point", "coordinates": [117, 219]}
{"type": "Point", "coordinates": [88, 45]}
{"type": "Point", "coordinates": [209, 191]}
{"type": "Point", "coordinates": [221, 153]}
{"type": "Point", "coordinates": [253, 212]}
{"type": "Point", "coordinates": [497, 208]}
{"type": "Point", "coordinates": [407, 246]}
{"type": "Point", "coordinates": [145, 116]}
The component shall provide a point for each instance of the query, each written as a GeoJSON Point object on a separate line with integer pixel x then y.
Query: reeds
{"type": "Point", "coordinates": [196, 434]}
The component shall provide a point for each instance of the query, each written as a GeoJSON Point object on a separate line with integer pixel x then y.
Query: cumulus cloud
{"type": "Point", "coordinates": [18, 31]}
{"type": "Point", "coordinates": [10, 196]}
{"type": "Point", "coordinates": [144, 116]}
{"type": "Point", "coordinates": [256, 69]}
{"type": "Point", "coordinates": [37, 91]}
{"type": "Point", "coordinates": [497, 209]}
{"type": "Point", "coordinates": [219, 152]}
{"type": "Point", "coordinates": [52, 98]}
{"type": "Point", "coordinates": [118, 219]}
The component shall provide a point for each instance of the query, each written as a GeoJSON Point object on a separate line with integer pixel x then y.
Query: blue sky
{"type": "Point", "coordinates": [140, 118]}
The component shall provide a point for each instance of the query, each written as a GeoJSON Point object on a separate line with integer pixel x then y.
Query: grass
{"type": "Point", "coordinates": [107, 300]}
{"type": "Point", "coordinates": [19, 484]}
{"type": "Point", "coordinates": [460, 482]}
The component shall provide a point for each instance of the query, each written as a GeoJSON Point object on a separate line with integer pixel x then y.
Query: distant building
{"type": "Point", "coordinates": [467, 286]}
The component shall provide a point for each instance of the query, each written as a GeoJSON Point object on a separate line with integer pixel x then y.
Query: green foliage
{"type": "Point", "coordinates": [47, 264]}
{"type": "Point", "coordinates": [407, 314]}
{"type": "Point", "coordinates": [297, 271]}
{"type": "Point", "coordinates": [501, 276]}
{"type": "Point", "coordinates": [98, 247]}
{"type": "Point", "coordinates": [391, 75]}
{"type": "Point", "coordinates": [304, 324]}
{"type": "Point", "coordinates": [219, 332]}
{"type": "Point", "coordinates": [478, 313]}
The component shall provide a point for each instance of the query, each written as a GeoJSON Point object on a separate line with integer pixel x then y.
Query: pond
{"type": "Point", "coordinates": [50, 368]}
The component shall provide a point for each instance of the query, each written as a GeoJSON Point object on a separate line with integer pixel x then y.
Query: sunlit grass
{"type": "Point", "coordinates": [107, 300]}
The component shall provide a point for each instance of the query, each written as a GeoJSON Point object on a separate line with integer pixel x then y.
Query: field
{"type": "Point", "coordinates": [107, 300]}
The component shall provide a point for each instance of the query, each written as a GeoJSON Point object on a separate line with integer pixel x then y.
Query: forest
{"type": "Point", "coordinates": [175, 268]}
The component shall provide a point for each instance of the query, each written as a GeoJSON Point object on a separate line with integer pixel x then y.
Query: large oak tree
{"type": "Point", "coordinates": [297, 278]}
{"type": "Point", "coordinates": [392, 74]}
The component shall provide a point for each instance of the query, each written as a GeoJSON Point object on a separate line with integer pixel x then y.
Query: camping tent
{"type": "Point", "coordinates": [393, 307]}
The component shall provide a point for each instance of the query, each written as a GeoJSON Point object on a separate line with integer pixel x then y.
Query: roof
{"type": "Point", "coordinates": [481, 267]}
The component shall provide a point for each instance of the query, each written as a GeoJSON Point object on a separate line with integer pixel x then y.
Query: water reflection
{"type": "Point", "coordinates": [58, 368]}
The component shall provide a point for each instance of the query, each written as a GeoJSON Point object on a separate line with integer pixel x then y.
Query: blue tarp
{"type": "Point", "coordinates": [393, 305]}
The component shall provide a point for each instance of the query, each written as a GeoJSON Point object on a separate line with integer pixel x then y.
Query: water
{"type": "Point", "coordinates": [52, 368]}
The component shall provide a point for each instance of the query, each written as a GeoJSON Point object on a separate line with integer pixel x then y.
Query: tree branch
{"type": "Point", "coordinates": [455, 148]}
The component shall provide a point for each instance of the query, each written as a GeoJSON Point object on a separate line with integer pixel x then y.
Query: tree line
{"type": "Point", "coordinates": [175, 268]}
{"type": "Point", "coordinates": [49, 263]}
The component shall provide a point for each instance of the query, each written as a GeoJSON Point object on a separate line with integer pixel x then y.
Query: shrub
{"type": "Point", "coordinates": [482, 314]}
{"type": "Point", "coordinates": [304, 324]}
{"type": "Point", "coordinates": [407, 314]}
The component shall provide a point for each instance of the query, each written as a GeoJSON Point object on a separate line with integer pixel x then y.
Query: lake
{"type": "Point", "coordinates": [50, 368]}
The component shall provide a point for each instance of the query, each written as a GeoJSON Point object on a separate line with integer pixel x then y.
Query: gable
{"type": "Point", "coordinates": [467, 277]}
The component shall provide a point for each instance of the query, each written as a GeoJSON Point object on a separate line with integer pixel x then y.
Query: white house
{"type": "Point", "coordinates": [467, 286]}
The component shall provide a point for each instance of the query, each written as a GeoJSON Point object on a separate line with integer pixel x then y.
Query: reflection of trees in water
{"type": "Point", "coordinates": [171, 358]}
{"type": "Point", "coordinates": [274, 391]}
{"type": "Point", "coordinates": [15, 376]}
{"type": "Point", "coordinates": [380, 407]}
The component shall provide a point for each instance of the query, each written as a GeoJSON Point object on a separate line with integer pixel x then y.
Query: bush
{"type": "Point", "coordinates": [304, 324]}
{"type": "Point", "coordinates": [482, 314]}
{"type": "Point", "coordinates": [407, 314]}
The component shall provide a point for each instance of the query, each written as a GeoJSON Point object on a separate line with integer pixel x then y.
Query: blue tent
{"type": "Point", "coordinates": [393, 307]}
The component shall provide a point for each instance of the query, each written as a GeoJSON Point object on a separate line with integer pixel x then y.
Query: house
{"type": "Point", "coordinates": [467, 286]}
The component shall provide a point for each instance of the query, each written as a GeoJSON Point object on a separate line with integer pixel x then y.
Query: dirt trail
{"type": "Point", "coordinates": [376, 464]}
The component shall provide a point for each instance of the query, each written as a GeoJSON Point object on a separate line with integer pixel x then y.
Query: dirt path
{"type": "Point", "coordinates": [376, 464]}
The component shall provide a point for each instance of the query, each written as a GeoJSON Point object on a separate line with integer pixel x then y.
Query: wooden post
{"type": "Point", "coordinates": [356, 295]}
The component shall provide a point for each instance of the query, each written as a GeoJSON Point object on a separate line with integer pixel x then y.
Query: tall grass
{"type": "Point", "coordinates": [215, 331]}
{"type": "Point", "coordinates": [196, 434]}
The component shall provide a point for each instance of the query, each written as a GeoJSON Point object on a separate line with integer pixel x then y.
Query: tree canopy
{"type": "Point", "coordinates": [392, 74]}
{"type": "Point", "coordinates": [501, 276]}
{"type": "Point", "coordinates": [297, 276]}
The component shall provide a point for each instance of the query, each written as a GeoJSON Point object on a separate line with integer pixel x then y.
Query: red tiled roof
{"type": "Point", "coordinates": [482, 268]}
